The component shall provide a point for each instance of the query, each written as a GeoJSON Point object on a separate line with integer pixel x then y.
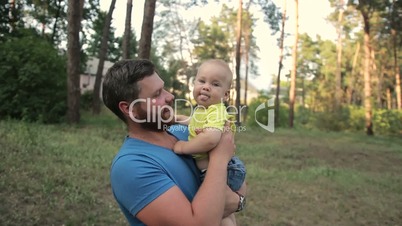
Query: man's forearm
{"type": "Point", "coordinates": [232, 202]}
{"type": "Point", "coordinates": [211, 198]}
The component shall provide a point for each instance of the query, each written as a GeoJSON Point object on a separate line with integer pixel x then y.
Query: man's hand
{"type": "Point", "coordinates": [243, 189]}
{"type": "Point", "coordinates": [226, 146]}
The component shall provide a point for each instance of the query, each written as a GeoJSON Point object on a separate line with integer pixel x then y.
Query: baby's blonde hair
{"type": "Point", "coordinates": [224, 65]}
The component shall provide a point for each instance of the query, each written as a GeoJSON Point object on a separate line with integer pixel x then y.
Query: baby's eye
{"type": "Point", "coordinates": [215, 84]}
{"type": "Point", "coordinates": [201, 81]}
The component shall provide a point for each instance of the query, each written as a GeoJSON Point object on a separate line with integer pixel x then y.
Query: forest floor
{"type": "Point", "coordinates": [59, 175]}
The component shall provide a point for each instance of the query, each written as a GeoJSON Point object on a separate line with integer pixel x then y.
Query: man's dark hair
{"type": "Point", "coordinates": [120, 83]}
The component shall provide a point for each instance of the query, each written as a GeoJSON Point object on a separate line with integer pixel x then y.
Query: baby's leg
{"type": "Point", "coordinates": [229, 220]}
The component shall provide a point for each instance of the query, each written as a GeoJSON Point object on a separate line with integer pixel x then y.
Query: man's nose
{"type": "Point", "coordinates": [170, 97]}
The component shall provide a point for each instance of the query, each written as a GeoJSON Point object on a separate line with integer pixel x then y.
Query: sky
{"type": "Point", "coordinates": [311, 21]}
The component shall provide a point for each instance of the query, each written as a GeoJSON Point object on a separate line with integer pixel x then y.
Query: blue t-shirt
{"type": "Point", "coordinates": [141, 172]}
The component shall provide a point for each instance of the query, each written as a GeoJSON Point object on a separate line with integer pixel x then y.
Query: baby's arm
{"type": "Point", "coordinates": [202, 143]}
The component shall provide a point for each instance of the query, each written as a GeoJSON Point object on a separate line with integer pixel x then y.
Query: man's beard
{"type": "Point", "coordinates": [154, 125]}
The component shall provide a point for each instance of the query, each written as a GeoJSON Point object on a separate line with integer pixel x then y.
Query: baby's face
{"type": "Point", "coordinates": [211, 85]}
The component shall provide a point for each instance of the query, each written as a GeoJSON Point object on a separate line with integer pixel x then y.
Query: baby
{"type": "Point", "coordinates": [211, 89]}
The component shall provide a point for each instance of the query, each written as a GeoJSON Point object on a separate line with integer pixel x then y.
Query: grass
{"type": "Point", "coordinates": [315, 178]}
{"type": "Point", "coordinates": [59, 175]}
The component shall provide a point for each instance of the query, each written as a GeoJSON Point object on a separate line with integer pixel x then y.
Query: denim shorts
{"type": "Point", "coordinates": [236, 173]}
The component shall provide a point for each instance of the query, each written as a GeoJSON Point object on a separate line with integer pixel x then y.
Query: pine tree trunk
{"type": "Point", "coordinates": [380, 88]}
{"type": "Point", "coordinates": [11, 16]}
{"type": "Point", "coordinates": [292, 90]}
{"type": "Point", "coordinates": [367, 79]}
{"type": "Point", "coordinates": [397, 74]}
{"type": "Point", "coordinates": [238, 46]}
{"type": "Point", "coordinates": [246, 87]}
{"type": "Point", "coordinates": [96, 104]}
{"type": "Point", "coordinates": [144, 51]}
{"type": "Point", "coordinates": [278, 79]}
{"type": "Point", "coordinates": [127, 31]}
{"type": "Point", "coordinates": [395, 50]}
{"type": "Point", "coordinates": [389, 99]}
{"type": "Point", "coordinates": [73, 61]}
{"type": "Point", "coordinates": [338, 90]}
{"type": "Point", "coordinates": [350, 90]}
{"type": "Point", "coordinates": [57, 16]}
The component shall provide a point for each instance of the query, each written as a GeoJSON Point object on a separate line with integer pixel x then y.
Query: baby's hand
{"type": "Point", "coordinates": [198, 131]}
{"type": "Point", "coordinates": [178, 147]}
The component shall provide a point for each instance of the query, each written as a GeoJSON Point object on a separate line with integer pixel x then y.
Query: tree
{"type": "Point", "coordinates": [292, 90]}
{"type": "Point", "coordinates": [211, 41]}
{"type": "Point", "coordinates": [278, 79]}
{"type": "Point", "coordinates": [395, 21]}
{"type": "Point", "coordinates": [114, 44]}
{"type": "Point", "coordinates": [144, 50]}
{"type": "Point", "coordinates": [73, 61]}
{"type": "Point", "coordinates": [51, 15]}
{"type": "Point", "coordinates": [127, 31]}
{"type": "Point", "coordinates": [59, 11]}
{"type": "Point", "coordinates": [272, 16]}
{"type": "Point", "coordinates": [102, 55]}
{"type": "Point", "coordinates": [132, 50]}
{"type": "Point", "coordinates": [238, 46]}
{"type": "Point", "coordinates": [338, 90]}
{"type": "Point", "coordinates": [366, 10]}
{"type": "Point", "coordinates": [11, 13]}
{"type": "Point", "coordinates": [172, 33]}
{"type": "Point", "coordinates": [33, 77]}
{"type": "Point", "coordinates": [249, 50]}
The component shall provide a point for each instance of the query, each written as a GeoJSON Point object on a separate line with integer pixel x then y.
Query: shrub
{"type": "Point", "coordinates": [254, 116]}
{"type": "Point", "coordinates": [86, 100]}
{"type": "Point", "coordinates": [33, 77]}
{"type": "Point", "coordinates": [387, 122]}
{"type": "Point", "coordinates": [356, 120]}
{"type": "Point", "coordinates": [304, 116]}
{"type": "Point", "coordinates": [332, 120]}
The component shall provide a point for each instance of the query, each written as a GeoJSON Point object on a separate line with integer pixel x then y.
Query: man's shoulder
{"type": "Point", "coordinates": [179, 131]}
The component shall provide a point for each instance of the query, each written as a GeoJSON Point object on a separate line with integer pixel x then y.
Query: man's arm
{"type": "Point", "coordinates": [233, 199]}
{"type": "Point", "coordinates": [207, 207]}
{"type": "Point", "coordinates": [202, 143]}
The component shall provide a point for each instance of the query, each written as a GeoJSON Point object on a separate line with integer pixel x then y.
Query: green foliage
{"type": "Point", "coordinates": [356, 118]}
{"type": "Point", "coordinates": [261, 116]}
{"type": "Point", "coordinates": [114, 51]}
{"type": "Point", "coordinates": [6, 21]}
{"type": "Point", "coordinates": [33, 78]}
{"type": "Point", "coordinates": [351, 118]}
{"type": "Point", "coordinates": [272, 15]}
{"type": "Point", "coordinates": [86, 100]}
{"type": "Point", "coordinates": [212, 42]}
{"type": "Point", "coordinates": [303, 116]}
{"type": "Point", "coordinates": [332, 120]}
{"type": "Point", "coordinates": [388, 122]}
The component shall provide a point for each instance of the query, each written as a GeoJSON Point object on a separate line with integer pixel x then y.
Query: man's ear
{"type": "Point", "coordinates": [125, 108]}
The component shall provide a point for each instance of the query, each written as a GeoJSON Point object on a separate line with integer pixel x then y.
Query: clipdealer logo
{"type": "Point", "coordinates": [270, 126]}
{"type": "Point", "coordinates": [154, 113]}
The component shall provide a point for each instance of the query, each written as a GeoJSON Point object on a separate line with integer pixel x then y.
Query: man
{"type": "Point", "coordinates": [151, 184]}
